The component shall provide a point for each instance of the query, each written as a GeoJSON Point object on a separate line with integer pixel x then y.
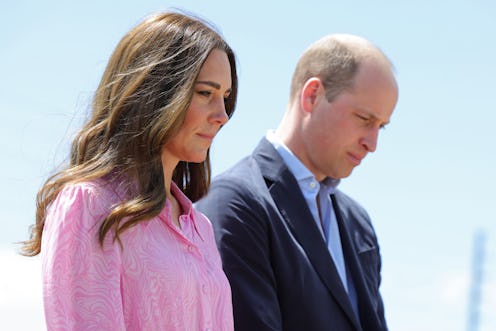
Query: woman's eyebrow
{"type": "Point", "coordinates": [213, 84]}
{"type": "Point", "coordinates": [210, 83]}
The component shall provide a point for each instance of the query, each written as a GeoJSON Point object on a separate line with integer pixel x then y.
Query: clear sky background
{"type": "Point", "coordinates": [429, 187]}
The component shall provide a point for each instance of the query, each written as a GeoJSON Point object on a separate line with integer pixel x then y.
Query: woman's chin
{"type": "Point", "coordinates": [198, 158]}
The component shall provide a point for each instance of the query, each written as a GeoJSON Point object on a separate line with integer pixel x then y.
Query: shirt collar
{"type": "Point", "coordinates": [186, 206]}
{"type": "Point", "coordinates": [297, 168]}
{"type": "Point", "coordinates": [182, 199]}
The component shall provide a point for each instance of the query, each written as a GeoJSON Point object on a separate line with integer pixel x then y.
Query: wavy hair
{"type": "Point", "coordinates": [139, 105]}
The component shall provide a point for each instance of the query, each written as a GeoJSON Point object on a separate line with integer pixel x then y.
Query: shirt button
{"type": "Point", "coordinates": [312, 184]}
{"type": "Point", "coordinates": [204, 288]}
{"type": "Point", "coordinates": [191, 248]}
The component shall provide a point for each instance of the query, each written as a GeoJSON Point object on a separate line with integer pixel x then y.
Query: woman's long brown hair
{"type": "Point", "coordinates": [139, 105]}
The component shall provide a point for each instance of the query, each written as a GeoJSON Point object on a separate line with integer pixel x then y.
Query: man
{"type": "Point", "coordinates": [299, 253]}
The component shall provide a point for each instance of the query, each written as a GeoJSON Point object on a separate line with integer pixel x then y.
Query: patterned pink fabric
{"type": "Point", "coordinates": [165, 278]}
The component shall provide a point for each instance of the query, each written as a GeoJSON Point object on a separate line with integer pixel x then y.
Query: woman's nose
{"type": "Point", "coordinates": [220, 114]}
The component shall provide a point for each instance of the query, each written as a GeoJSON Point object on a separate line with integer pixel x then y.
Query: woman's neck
{"type": "Point", "coordinates": [168, 167]}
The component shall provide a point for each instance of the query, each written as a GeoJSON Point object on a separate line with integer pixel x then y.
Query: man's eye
{"type": "Point", "coordinates": [363, 118]}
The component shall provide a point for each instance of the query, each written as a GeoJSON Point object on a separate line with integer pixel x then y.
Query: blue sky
{"type": "Point", "coordinates": [429, 187]}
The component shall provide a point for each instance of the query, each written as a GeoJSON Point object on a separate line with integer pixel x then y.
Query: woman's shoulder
{"type": "Point", "coordinates": [96, 195]}
{"type": "Point", "coordinates": [88, 188]}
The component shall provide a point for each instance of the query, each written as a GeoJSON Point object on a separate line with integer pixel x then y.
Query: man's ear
{"type": "Point", "coordinates": [310, 93]}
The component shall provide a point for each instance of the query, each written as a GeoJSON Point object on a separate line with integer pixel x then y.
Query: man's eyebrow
{"type": "Point", "coordinates": [372, 116]}
{"type": "Point", "coordinates": [210, 83]}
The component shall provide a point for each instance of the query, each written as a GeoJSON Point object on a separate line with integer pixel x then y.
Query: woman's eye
{"type": "Point", "coordinates": [204, 93]}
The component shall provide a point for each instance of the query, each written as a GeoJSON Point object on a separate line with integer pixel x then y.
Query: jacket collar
{"type": "Point", "coordinates": [286, 194]}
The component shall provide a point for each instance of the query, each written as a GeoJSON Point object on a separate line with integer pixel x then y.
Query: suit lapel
{"type": "Point", "coordinates": [287, 195]}
{"type": "Point", "coordinates": [368, 316]}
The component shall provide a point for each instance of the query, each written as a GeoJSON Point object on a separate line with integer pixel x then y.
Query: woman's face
{"type": "Point", "coordinates": [205, 115]}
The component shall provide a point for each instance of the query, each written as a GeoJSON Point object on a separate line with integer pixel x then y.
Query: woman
{"type": "Point", "coordinates": [122, 246]}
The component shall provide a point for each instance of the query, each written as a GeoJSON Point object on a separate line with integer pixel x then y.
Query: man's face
{"type": "Point", "coordinates": [339, 134]}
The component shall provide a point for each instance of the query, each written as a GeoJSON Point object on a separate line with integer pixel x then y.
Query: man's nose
{"type": "Point", "coordinates": [369, 141]}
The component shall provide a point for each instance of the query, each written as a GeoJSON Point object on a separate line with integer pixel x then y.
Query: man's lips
{"type": "Point", "coordinates": [355, 158]}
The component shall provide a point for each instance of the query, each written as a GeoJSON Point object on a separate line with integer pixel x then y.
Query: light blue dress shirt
{"type": "Point", "coordinates": [312, 189]}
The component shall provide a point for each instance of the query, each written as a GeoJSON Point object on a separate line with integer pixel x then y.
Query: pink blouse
{"type": "Point", "coordinates": [164, 278]}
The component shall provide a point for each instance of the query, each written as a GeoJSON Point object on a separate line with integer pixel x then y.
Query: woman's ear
{"type": "Point", "coordinates": [310, 93]}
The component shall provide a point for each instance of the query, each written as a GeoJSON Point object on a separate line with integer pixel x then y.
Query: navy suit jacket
{"type": "Point", "coordinates": [280, 270]}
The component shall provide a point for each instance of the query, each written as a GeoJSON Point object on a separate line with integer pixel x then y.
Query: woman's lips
{"type": "Point", "coordinates": [207, 136]}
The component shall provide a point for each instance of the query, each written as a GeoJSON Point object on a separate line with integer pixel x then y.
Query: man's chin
{"type": "Point", "coordinates": [345, 174]}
